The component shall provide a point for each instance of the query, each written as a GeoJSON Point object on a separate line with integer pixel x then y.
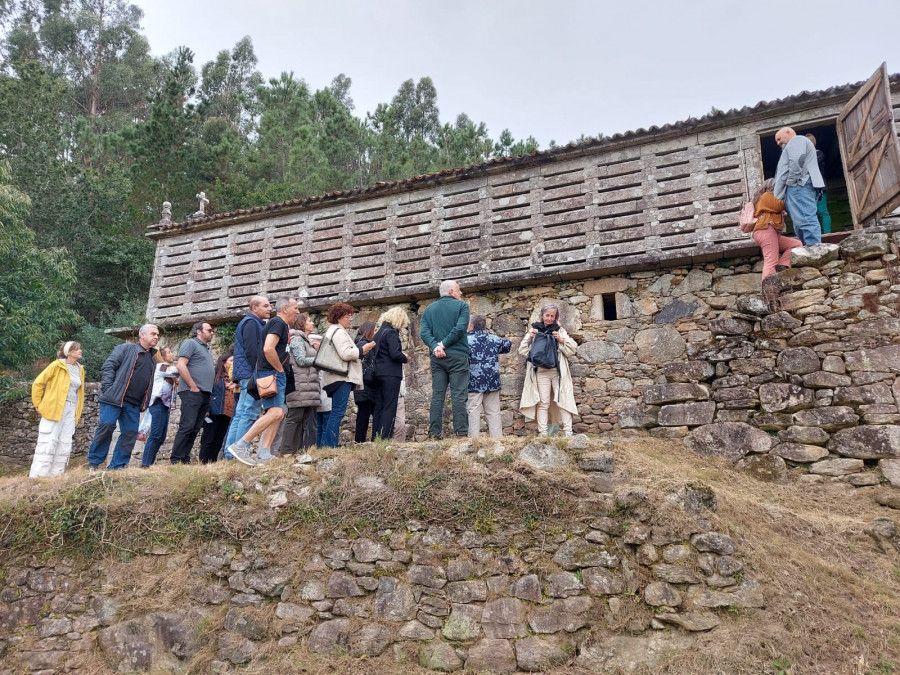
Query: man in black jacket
{"type": "Point", "coordinates": [125, 382]}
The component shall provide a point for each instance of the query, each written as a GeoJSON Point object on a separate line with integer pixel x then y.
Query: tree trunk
{"type": "Point", "coordinates": [95, 70]}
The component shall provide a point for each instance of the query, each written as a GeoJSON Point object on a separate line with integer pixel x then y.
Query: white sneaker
{"type": "Point", "coordinates": [242, 455]}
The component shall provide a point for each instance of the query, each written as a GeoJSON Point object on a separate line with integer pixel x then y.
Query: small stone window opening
{"type": "Point", "coordinates": [609, 306]}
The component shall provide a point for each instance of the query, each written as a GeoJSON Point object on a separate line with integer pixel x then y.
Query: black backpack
{"type": "Point", "coordinates": [544, 352]}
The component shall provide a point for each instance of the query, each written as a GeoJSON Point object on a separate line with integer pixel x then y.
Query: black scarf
{"type": "Point", "coordinates": [552, 328]}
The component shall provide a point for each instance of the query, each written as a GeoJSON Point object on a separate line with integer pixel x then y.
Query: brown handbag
{"type": "Point", "coordinates": [267, 386]}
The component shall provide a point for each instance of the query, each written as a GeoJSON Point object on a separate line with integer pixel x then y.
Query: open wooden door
{"type": "Point", "coordinates": [870, 151]}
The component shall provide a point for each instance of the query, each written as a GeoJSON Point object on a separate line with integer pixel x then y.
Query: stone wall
{"type": "Point", "coordinates": [689, 347]}
{"type": "Point", "coordinates": [19, 431]}
{"type": "Point", "coordinates": [804, 374]}
{"type": "Point", "coordinates": [714, 327]}
{"type": "Point", "coordinates": [639, 564]}
{"type": "Point", "coordinates": [19, 428]}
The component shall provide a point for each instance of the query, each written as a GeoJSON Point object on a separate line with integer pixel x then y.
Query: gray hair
{"type": "Point", "coordinates": [146, 328]}
{"type": "Point", "coordinates": [550, 305]}
{"type": "Point", "coordinates": [446, 287]}
{"type": "Point", "coordinates": [768, 185]}
{"type": "Point", "coordinates": [283, 303]}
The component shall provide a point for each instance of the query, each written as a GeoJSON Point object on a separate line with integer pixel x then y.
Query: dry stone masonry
{"type": "Point", "coordinates": [19, 428]}
{"type": "Point", "coordinates": [633, 576]}
{"type": "Point", "coordinates": [802, 373]}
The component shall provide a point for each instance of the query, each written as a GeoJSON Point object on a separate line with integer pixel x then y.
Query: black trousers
{"type": "Point", "coordinates": [299, 430]}
{"type": "Point", "coordinates": [387, 392]}
{"type": "Point", "coordinates": [213, 438]}
{"type": "Point", "coordinates": [364, 410]}
{"type": "Point", "coordinates": [194, 405]}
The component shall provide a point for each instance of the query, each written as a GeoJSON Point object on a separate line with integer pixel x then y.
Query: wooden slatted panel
{"type": "Point", "coordinates": [869, 149]}
{"type": "Point", "coordinates": [618, 205]}
{"type": "Point", "coordinates": [564, 214]}
{"type": "Point", "coordinates": [368, 245]}
{"type": "Point", "coordinates": [324, 278]}
{"type": "Point", "coordinates": [458, 238]}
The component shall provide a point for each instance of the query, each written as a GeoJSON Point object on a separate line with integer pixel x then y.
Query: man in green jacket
{"type": "Point", "coordinates": [444, 326]}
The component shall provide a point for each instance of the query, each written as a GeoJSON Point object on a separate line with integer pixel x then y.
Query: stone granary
{"type": "Point", "coordinates": [636, 234]}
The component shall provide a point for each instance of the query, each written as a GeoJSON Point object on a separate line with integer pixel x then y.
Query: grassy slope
{"type": "Point", "coordinates": [833, 600]}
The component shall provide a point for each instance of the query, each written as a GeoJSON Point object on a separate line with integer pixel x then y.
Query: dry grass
{"type": "Point", "coordinates": [832, 599]}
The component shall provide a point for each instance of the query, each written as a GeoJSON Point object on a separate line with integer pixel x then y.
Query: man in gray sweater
{"type": "Point", "coordinates": [197, 370]}
{"type": "Point", "coordinates": [798, 182]}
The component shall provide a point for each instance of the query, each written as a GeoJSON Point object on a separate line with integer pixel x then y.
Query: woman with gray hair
{"type": "Point", "coordinates": [548, 394]}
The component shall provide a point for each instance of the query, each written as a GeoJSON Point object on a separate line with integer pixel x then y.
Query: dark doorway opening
{"type": "Point", "coordinates": [833, 170]}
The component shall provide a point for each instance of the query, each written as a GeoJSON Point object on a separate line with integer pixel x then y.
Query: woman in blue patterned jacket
{"type": "Point", "coordinates": [484, 377]}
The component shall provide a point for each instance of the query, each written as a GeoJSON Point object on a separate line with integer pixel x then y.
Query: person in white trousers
{"type": "Point", "coordinates": [58, 396]}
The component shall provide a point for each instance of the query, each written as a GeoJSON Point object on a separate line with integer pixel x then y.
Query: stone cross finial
{"type": "Point", "coordinates": [201, 211]}
{"type": "Point", "coordinates": [166, 220]}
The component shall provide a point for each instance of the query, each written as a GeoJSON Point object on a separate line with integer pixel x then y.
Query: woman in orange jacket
{"type": "Point", "coordinates": [58, 395]}
{"type": "Point", "coordinates": [769, 230]}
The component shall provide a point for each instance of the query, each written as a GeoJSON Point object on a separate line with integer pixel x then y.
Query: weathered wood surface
{"type": "Point", "coordinates": [870, 150]}
{"type": "Point", "coordinates": [644, 203]}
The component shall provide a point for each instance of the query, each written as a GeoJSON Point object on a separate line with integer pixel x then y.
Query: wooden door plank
{"type": "Point", "coordinates": [870, 151]}
{"type": "Point", "coordinates": [872, 175]}
{"type": "Point", "coordinates": [863, 126]}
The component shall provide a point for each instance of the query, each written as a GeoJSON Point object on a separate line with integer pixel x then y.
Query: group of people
{"type": "Point", "coordinates": [798, 189]}
{"type": "Point", "coordinates": [464, 358]}
{"type": "Point", "coordinates": [289, 387]}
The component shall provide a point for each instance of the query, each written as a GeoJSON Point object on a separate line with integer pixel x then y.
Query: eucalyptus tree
{"type": "Point", "coordinates": [37, 285]}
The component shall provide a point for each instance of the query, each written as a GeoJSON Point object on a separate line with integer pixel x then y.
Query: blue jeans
{"type": "Point", "coordinates": [159, 425]}
{"type": "Point", "coordinates": [246, 410]}
{"type": "Point", "coordinates": [801, 204]}
{"type": "Point", "coordinates": [332, 432]}
{"type": "Point", "coordinates": [128, 418]}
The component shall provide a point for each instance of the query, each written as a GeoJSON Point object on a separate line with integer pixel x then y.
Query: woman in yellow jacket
{"type": "Point", "coordinates": [58, 395]}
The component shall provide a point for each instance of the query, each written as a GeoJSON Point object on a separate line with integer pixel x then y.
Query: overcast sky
{"type": "Point", "coordinates": [554, 69]}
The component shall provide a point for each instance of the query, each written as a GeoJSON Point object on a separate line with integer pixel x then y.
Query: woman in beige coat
{"type": "Point", "coordinates": [548, 395]}
{"type": "Point", "coordinates": [338, 387]}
